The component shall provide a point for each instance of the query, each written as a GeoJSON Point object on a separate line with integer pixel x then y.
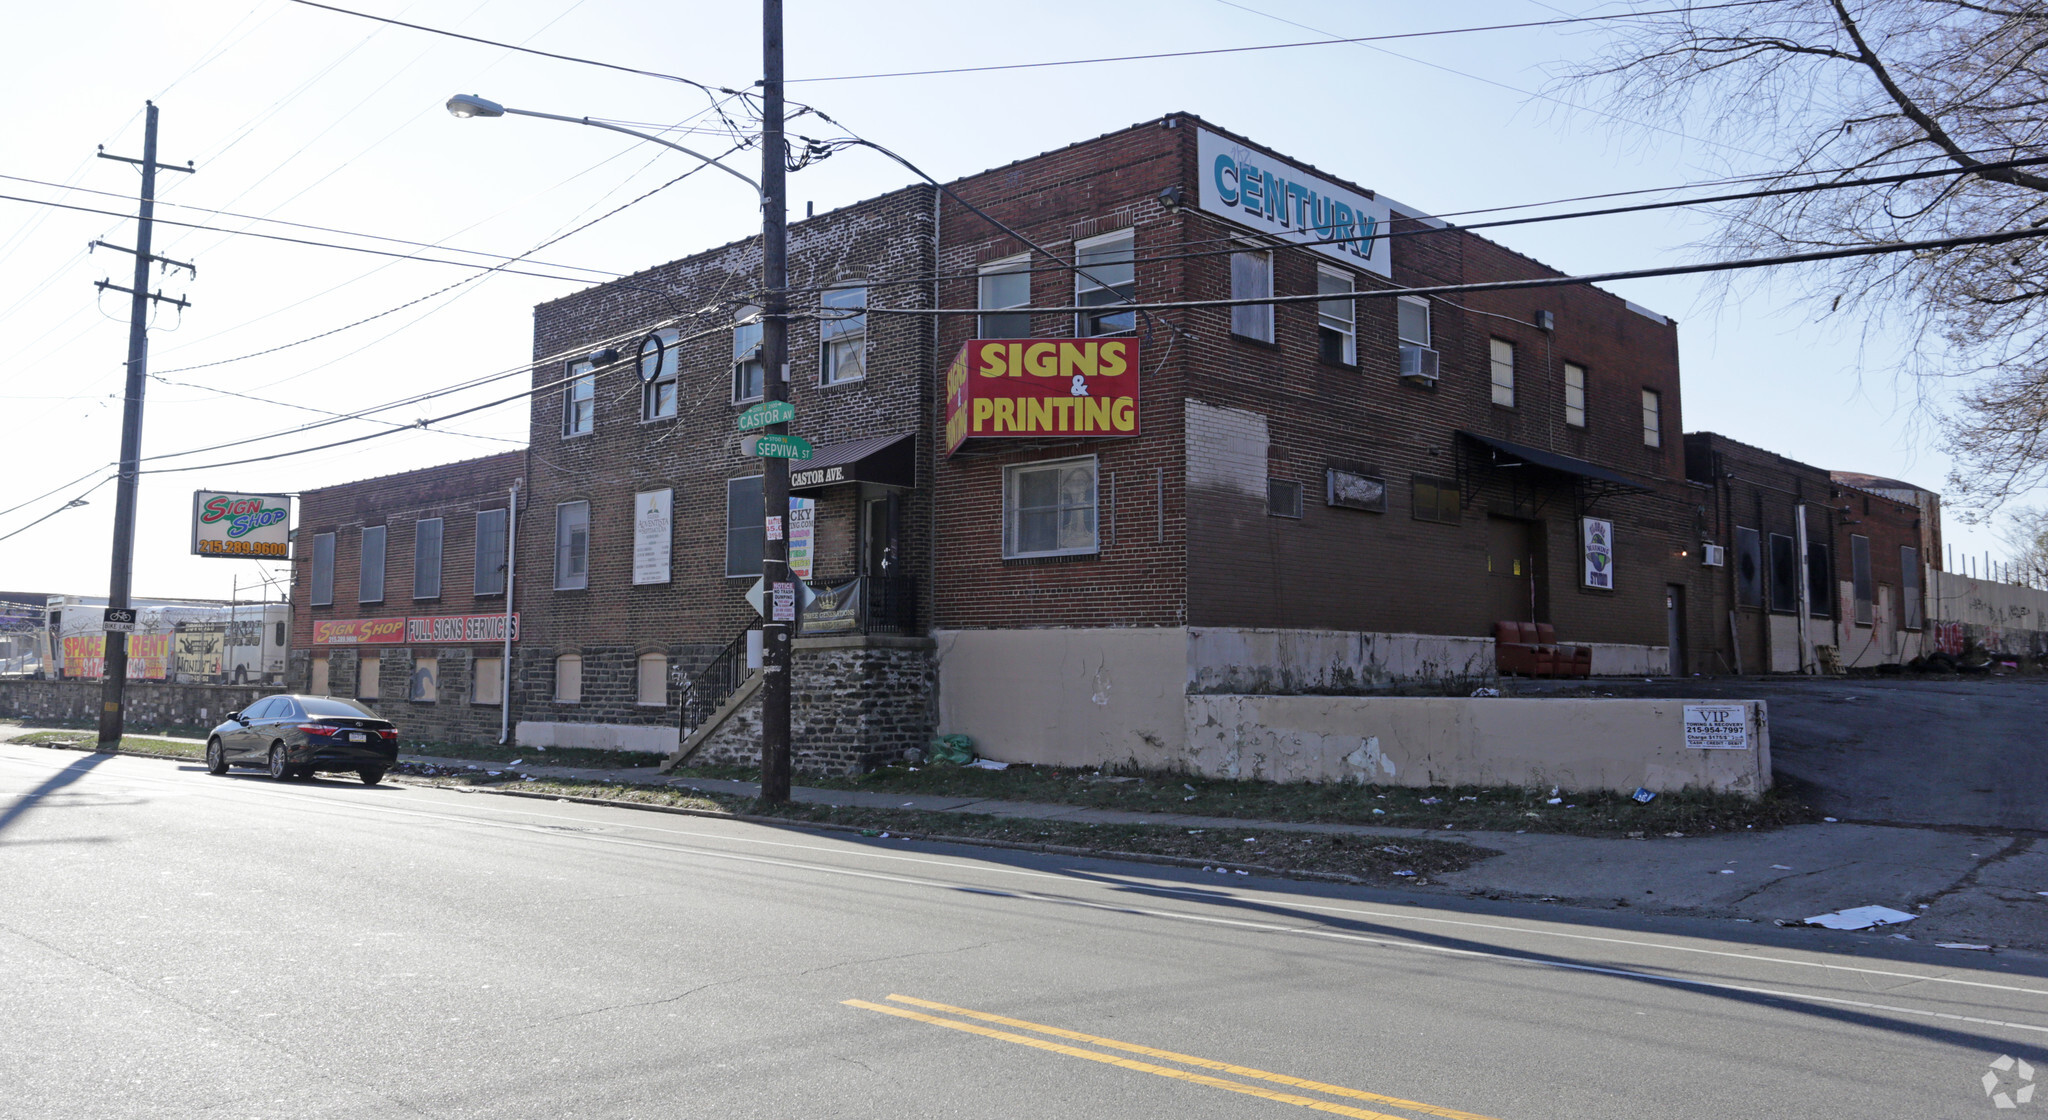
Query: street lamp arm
{"type": "Point", "coordinates": [642, 136]}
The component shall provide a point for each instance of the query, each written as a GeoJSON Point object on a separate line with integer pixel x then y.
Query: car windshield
{"type": "Point", "coordinates": [328, 706]}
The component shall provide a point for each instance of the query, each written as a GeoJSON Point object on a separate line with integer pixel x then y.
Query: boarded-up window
{"type": "Point", "coordinates": [487, 676]}
{"type": "Point", "coordinates": [368, 668]}
{"type": "Point", "coordinates": [1819, 578]}
{"type": "Point", "coordinates": [1749, 568]}
{"type": "Point", "coordinates": [1785, 573]}
{"type": "Point", "coordinates": [318, 685]}
{"type": "Point", "coordinates": [569, 679]}
{"type": "Point", "coordinates": [653, 679]}
{"type": "Point", "coordinates": [1859, 571]}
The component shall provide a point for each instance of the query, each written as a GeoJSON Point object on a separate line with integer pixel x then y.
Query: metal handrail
{"type": "Point", "coordinates": [706, 690]}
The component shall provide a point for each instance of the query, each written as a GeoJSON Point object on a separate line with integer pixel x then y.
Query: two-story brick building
{"type": "Point", "coordinates": [1295, 466]}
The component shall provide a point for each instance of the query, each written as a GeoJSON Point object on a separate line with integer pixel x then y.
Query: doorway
{"type": "Point", "coordinates": [1516, 588]}
{"type": "Point", "coordinates": [878, 536]}
{"type": "Point", "coordinates": [1674, 625]}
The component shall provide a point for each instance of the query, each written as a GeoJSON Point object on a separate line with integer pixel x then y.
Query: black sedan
{"type": "Point", "coordinates": [294, 736]}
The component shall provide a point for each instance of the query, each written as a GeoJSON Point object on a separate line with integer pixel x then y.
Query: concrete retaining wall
{"type": "Point", "coordinates": [1574, 744]}
{"type": "Point", "coordinates": [151, 704]}
{"type": "Point", "coordinates": [1065, 697]}
{"type": "Point", "coordinates": [2000, 617]}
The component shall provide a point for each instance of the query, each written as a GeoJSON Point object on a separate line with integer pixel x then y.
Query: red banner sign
{"type": "Point", "coordinates": [420, 630]}
{"type": "Point", "coordinates": [1034, 388]}
{"type": "Point", "coordinates": [358, 631]}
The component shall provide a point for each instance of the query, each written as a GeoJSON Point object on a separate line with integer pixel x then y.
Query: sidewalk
{"type": "Point", "coordinates": [1987, 886]}
{"type": "Point", "coordinates": [1978, 887]}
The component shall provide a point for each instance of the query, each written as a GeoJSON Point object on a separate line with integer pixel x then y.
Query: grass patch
{"type": "Point", "coordinates": [1372, 859]}
{"type": "Point", "coordinates": [1490, 808]}
{"type": "Point", "coordinates": [128, 742]}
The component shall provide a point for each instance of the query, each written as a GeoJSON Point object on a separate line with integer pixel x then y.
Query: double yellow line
{"type": "Point", "coordinates": [1164, 1055]}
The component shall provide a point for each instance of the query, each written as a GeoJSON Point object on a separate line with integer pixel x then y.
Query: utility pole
{"type": "Point", "coordinates": [781, 596]}
{"type": "Point", "coordinates": [113, 717]}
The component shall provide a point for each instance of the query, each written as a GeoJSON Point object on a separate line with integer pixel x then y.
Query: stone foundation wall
{"type": "Point", "coordinates": [854, 703]}
{"type": "Point", "coordinates": [152, 705]}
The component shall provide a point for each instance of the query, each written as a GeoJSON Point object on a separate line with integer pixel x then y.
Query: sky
{"type": "Point", "coordinates": [294, 114]}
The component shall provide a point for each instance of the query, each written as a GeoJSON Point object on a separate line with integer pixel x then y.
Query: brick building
{"type": "Point", "coordinates": [1815, 570]}
{"type": "Point", "coordinates": [1338, 490]}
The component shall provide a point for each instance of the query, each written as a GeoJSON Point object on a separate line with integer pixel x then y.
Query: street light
{"type": "Point", "coordinates": [464, 106]}
{"type": "Point", "coordinates": [778, 584]}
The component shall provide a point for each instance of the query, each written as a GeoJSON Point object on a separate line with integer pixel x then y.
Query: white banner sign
{"type": "Point", "coordinates": [651, 535]}
{"type": "Point", "coordinates": [1254, 189]}
{"type": "Point", "coordinates": [1598, 536]}
{"type": "Point", "coordinates": [240, 526]}
{"type": "Point", "coordinates": [1716, 727]}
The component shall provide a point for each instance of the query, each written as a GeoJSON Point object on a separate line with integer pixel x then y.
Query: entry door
{"type": "Point", "coordinates": [1511, 570]}
{"type": "Point", "coordinates": [1674, 624]}
{"type": "Point", "coordinates": [878, 537]}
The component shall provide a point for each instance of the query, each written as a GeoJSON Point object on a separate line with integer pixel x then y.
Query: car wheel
{"type": "Point", "coordinates": [370, 777]}
{"type": "Point", "coordinates": [278, 769]}
{"type": "Point", "coordinates": [216, 757]}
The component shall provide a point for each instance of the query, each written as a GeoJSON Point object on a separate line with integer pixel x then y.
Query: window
{"type": "Point", "coordinates": [370, 581]}
{"type": "Point", "coordinates": [843, 335]}
{"type": "Point", "coordinates": [1749, 567]}
{"type": "Point", "coordinates": [260, 709]}
{"type": "Point", "coordinates": [486, 677]}
{"type": "Point", "coordinates": [1819, 602]}
{"type": "Point", "coordinates": [1251, 277]}
{"type": "Point", "coordinates": [1785, 571]}
{"type": "Point", "coordinates": [1435, 499]}
{"type": "Point", "coordinates": [569, 679]}
{"type": "Point", "coordinates": [572, 546]}
{"type": "Point", "coordinates": [368, 666]}
{"type": "Point", "coordinates": [661, 356]}
{"type": "Point", "coordinates": [1503, 364]}
{"type": "Point", "coordinates": [745, 534]}
{"type": "Point", "coordinates": [1336, 319]}
{"type": "Point", "coordinates": [749, 381]}
{"type": "Point", "coordinates": [1574, 395]}
{"type": "Point", "coordinates": [1283, 499]}
{"type": "Point", "coordinates": [1353, 490]}
{"type": "Point", "coordinates": [424, 686]}
{"type": "Point", "coordinates": [323, 570]}
{"type": "Point", "coordinates": [1106, 277]}
{"type": "Point", "coordinates": [653, 679]}
{"type": "Point", "coordinates": [1412, 325]}
{"type": "Point", "coordinates": [579, 400]}
{"type": "Point", "coordinates": [317, 685]}
{"type": "Point", "coordinates": [1859, 573]}
{"type": "Point", "coordinates": [490, 551]}
{"type": "Point", "coordinates": [1909, 588]}
{"type": "Point", "coordinates": [1049, 509]}
{"type": "Point", "coordinates": [1653, 418]}
{"type": "Point", "coordinates": [426, 558]}
{"type": "Point", "coordinates": [1006, 283]}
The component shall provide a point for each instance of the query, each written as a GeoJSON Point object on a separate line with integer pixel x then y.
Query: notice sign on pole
{"type": "Point", "coordinates": [652, 520]}
{"type": "Point", "coordinates": [1717, 727]}
{"type": "Point", "coordinates": [783, 602]}
{"type": "Point", "coordinates": [240, 526]}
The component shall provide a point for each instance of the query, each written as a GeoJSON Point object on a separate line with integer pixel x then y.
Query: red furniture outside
{"type": "Point", "coordinates": [1530, 649]}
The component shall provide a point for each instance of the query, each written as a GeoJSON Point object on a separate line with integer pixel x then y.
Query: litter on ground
{"type": "Point", "coordinates": [1861, 917]}
{"type": "Point", "coordinates": [1961, 945]}
{"type": "Point", "coordinates": [1643, 795]}
{"type": "Point", "coordinates": [989, 764]}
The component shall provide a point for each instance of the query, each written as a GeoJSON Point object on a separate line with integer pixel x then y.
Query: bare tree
{"type": "Point", "coordinates": [1832, 90]}
{"type": "Point", "coordinates": [2027, 535]}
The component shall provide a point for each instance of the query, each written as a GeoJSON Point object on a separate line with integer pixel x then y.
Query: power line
{"type": "Point", "coordinates": [1286, 46]}
{"type": "Point", "coordinates": [74, 503]}
{"type": "Point", "coordinates": [54, 489]}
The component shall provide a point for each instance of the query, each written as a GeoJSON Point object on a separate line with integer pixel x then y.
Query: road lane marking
{"type": "Point", "coordinates": [1210, 896]}
{"type": "Point", "coordinates": [1127, 1063]}
{"type": "Point", "coordinates": [1189, 1059]}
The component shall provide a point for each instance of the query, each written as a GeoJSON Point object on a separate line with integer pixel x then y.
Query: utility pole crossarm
{"type": "Point", "coordinates": [166, 261]}
{"type": "Point", "coordinates": [148, 162]}
{"type": "Point", "coordinates": [159, 296]}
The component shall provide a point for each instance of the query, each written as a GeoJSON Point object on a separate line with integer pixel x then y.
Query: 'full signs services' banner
{"type": "Point", "coordinates": [1033, 388]}
{"type": "Point", "coordinates": [240, 526]}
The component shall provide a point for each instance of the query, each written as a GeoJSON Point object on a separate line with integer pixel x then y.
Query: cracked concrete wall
{"type": "Point", "coordinates": [1574, 744]}
{"type": "Point", "coordinates": [1237, 659]}
{"type": "Point", "coordinates": [1066, 697]}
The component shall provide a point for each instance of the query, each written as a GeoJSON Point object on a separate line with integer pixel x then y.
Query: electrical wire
{"type": "Point", "coordinates": [1285, 46]}
{"type": "Point", "coordinates": [54, 489]}
{"type": "Point", "coordinates": [76, 501]}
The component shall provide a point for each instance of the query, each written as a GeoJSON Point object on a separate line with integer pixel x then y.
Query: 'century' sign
{"type": "Point", "coordinates": [1253, 189]}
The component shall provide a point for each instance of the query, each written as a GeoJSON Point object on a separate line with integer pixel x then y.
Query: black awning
{"type": "Point", "coordinates": [1514, 453]}
{"type": "Point", "coordinates": [884, 460]}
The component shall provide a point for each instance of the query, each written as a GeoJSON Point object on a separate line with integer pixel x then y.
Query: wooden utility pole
{"type": "Point", "coordinates": [780, 596]}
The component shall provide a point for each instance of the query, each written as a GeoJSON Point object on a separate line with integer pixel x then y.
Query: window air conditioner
{"type": "Point", "coordinates": [1713, 555]}
{"type": "Point", "coordinates": [1419, 364]}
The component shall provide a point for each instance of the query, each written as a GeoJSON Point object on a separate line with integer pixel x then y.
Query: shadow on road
{"type": "Point", "coordinates": [55, 782]}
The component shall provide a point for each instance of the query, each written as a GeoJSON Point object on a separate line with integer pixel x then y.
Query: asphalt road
{"type": "Point", "coordinates": [1970, 753]}
{"type": "Point", "coordinates": [174, 944]}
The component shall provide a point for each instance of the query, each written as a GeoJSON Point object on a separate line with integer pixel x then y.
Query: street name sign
{"type": "Point", "coordinates": [766, 413]}
{"type": "Point", "coordinates": [782, 447]}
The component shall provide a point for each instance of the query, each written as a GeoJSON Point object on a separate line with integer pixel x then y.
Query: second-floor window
{"type": "Point", "coordinates": [1336, 319]}
{"type": "Point", "coordinates": [842, 335]}
{"type": "Point", "coordinates": [1251, 277]}
{"type": "Point", "coordinates": [426, 558]}
{"type": "Point", "coordinates": [370, 573]}
{"type": "Point", "coordinates": [1106, 277]}
{"type": "Point", "coordinates": [1575, 395]}
{"type": "Point", "coordinates": [749, 381]}
{"type": "Point", "coordinates": [745, 531]}
{"type": "Point", "coordinates": [660, 358]}
{"type": "Point", "coordinates": [323, 570]}
{"type": "Point", "coordinates": [572, 546]}
{"type": "Point", "coordinates": [1005, 284]}
{"type": "Point", "coordinates": [1653, 418]}
{"type": "Point", "coordinates": [490, 551]}
{"type": "Point", "coordinates": [1502, 362]}
{"type": "Point", "coordinates": [579, 400]}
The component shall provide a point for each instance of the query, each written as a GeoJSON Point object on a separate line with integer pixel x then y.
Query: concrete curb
{"type": "Point", "coordinates": [930, 837]}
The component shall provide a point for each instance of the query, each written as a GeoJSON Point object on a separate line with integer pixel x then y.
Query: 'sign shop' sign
{"type": "Point", "coordinates": [240, 526]}
{"type": "Point", "coordinates": [1031, 388]}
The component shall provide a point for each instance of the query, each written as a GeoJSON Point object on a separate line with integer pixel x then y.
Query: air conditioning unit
{"type": "Point", "coordinates": [1419, 364]}
{"type": "Point", "coordinates": [1713, 555]}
